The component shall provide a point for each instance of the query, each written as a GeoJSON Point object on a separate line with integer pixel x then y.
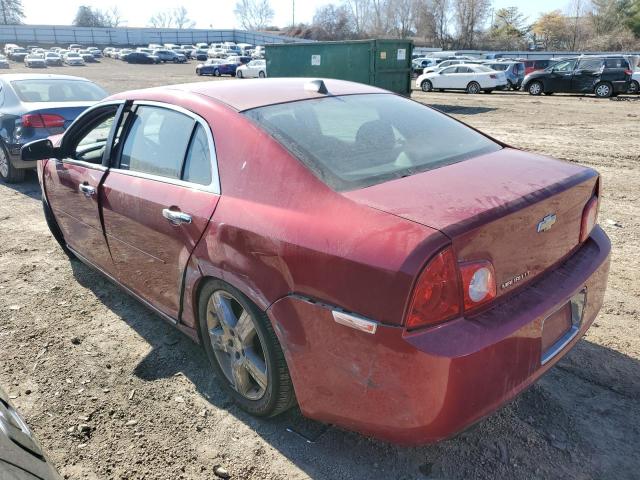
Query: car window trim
{"type": "Point", "coordinates": [69, 134]}
{"type": "Point", "coordinates": [213, 187]}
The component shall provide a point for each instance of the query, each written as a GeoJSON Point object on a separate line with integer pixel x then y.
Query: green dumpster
{"type": "Point", "coordinates": [383, 63]}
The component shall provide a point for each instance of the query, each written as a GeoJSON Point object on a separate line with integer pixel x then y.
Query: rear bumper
{"type": "Point", "coordinates": [427, 386]}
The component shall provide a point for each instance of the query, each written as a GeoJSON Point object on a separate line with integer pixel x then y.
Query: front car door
{"type": "Point", "coordinates": [159, 195]}
{"type": "Point", "coordinates": [444, 79]}
{"type": "Point", "coordinates": [586, 75]}
{"type": "Point", "coordinates": [72, 184]}
{"type": "Point", "coordinates": [559, 79]}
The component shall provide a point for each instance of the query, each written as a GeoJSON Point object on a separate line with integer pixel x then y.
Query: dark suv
{"type": "Point", "coordinates": [604, 76]}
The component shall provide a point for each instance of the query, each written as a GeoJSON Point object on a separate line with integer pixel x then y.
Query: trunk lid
{"type": "Point", "coordinates": [493, 206]}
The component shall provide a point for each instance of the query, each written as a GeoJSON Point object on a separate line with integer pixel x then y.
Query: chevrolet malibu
{"type": "Point", "coordinates": [388, 268]}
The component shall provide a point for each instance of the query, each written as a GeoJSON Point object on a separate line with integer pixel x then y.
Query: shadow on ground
{"type": "Point", "coordinates": [577, 422]}
{"type": "Point", "coordinates": [30, 187]}
{"type": "Point", "coordinates": [460, 109]}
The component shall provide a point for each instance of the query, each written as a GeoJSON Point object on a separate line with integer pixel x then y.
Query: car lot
{"type": "Point", "coordinates": [76, 350]}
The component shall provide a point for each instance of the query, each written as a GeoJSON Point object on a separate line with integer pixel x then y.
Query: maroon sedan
{"type": "Point", "coordinates": [388, 268]}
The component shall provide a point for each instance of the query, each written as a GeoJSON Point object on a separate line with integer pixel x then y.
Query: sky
{"type": "Point", "coordinates": [213, 13]}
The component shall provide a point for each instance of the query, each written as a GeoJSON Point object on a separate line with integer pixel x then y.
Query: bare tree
{"type": "Point", "coordinates": [253, 14]}
{"type": "Point", "coordinates": [332, 23]}
{"type": "Point", "coordinates": [180, 18]}
{"type": "Point", "coordinates": [113, 16]}
{"type": "Point", "coordinates": [380, 17]}
{"type": "Point", "coordinates": [441, 15]}
{"type": "Point", "coordinates": [360, 14]}
{"type": "Point", "coordinates": [403, 19]}
{"type": "Point", "coordinates": [470, 16]}
{"type": "Point", "coordinates": [161, 19]}
{"type": "Point", "coordinates": [577, 11]}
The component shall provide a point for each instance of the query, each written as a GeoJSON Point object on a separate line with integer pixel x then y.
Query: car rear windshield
{"type": "Point", "coordinates": [356, 141]}
{"type": "Point", "coordinates": [52, 90]}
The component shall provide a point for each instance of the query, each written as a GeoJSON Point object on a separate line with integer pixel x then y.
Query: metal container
{"type": "Point", "coordinates": [383, 63]}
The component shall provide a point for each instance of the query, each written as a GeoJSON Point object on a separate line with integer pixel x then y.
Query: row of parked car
{"type": "Point", "coordinates": [37, 57]}
{"type": "Point", "coordinates": [602, 75]}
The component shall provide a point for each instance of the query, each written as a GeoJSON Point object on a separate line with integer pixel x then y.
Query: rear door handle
{"type": "Point", "coordinates": [88, 190]}
{"type": "Point", "coordinates": [176, 217]}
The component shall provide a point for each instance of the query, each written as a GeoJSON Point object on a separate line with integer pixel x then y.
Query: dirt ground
{"type": "Point", "coordinates": [75, 350]}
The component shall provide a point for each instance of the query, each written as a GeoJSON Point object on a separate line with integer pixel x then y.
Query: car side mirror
{"type": "Point", "coordinates": [39, 150]}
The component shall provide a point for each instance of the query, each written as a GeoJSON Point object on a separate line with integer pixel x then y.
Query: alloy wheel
{"type": "Point", "coordinates": [237, 346]}
{"type": "Point", "coordinates": [4, 164]}
{"type": "Point", "coordinates": [634, 87]}
{"type": "Point", "coordinates": [473, 88]}
{"type": "Point", "coordinates": [426, 86]}
{"type": "Point", "coordinates": [535, 88]}
{"type": "Point", "coordinates": [603, 90]}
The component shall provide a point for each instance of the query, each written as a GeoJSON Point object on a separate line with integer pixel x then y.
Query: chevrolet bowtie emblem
{"type": "Point", "coordinates": [547, 222]}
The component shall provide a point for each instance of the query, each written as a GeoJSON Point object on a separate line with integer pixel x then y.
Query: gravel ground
{"type": "Point", "coordinates": [113, 392]}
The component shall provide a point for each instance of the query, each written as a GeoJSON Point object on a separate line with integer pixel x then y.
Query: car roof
{"type": "Point", "coordinates": [256, 93]}
{"type": "Point", "coordinates": [38, 76]}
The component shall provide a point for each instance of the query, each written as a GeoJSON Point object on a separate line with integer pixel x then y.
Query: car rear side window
{"type": "Point", "coordinates": [355, 141]}
{"type": "Point", "coordinates": [616, 63]}
{"type": "Point", "coordinates": [590, 64]}
{"type": "Point", "coordinates": [197, 164]}
{"type": "Point", "coordinates": [157, 142]}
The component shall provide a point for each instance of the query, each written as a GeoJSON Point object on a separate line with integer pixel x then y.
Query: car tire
{"type": "Point", "coordinates": [8, 173]}
{"type": "Point", "coordinates": [426, 86]}
{"type": "Point", "coordinates": [198, 72]}
{"type": "Point", "coordinates": [176, 60]}
{"type": "Point", "coordinates": [262, 74]}
{"type": "Point", "coordinates": [603, 90]}
{"type": "Point", "coordinates": [473, 88]}
{"type": "Point", "coordinates": [55, 229]}
{"type": "Point", "coordinates": [260, 344]}
{"type": "Point", "coordinates": [239, 74]}
{"type": "Point", "coordinates": [535, 88]}
{"type": "Point", "coordinates": [634, 87]}
{"type": "Point", "coordinates": [217, 73]}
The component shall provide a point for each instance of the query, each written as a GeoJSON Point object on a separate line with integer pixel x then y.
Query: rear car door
{"type": "Point", "coordinates": [158, 198]}
{"type": "Point", "coordinates": [586, 75]}
{"type": "Point", "coordinates": [617, 71]}
{"type": "Point", "coordinates": [72, 184]}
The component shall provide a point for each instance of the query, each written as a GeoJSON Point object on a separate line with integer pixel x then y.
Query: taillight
{"type": "Point", "coordinates": [589, 218]}
{"type": "Point", "coordinates": [42, 120]}
{"type": "Point", "coordinates": [436, 296]}
{"type": "Point", "coordinates": [478, 283]}
{"type": "Point", "coordinates": [628, 72]}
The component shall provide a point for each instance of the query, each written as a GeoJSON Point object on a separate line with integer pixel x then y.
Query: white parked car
{"type": "Point", "coordinates": [35, 60]}
{"type": "Point", "coordinates": [73, 58]}
{"type": "Point", "coordinates": [253, 69]}
{"type": "Point", "coordinates": [471, 78]}
{"type": "Point", "coordinates": [634, 86]}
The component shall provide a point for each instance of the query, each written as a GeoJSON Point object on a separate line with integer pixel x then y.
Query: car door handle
{"type": "Point", "coordinates": [88, 190]}
{"type": "Point", "coordinates": [176, 217]}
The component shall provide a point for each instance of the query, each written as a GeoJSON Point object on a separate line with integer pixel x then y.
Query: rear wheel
{"type": "Point", "coordinates": [198, 71]}
{"type": "Point", "coordinates": [244, 350]}
{"type": "Point", "coordinates": [239, 73]}
{"type": "Point", "coordinates": [262, 74]}
{"type": "Point", "coordinates": [8, 173]}
{"type": "Point", "coordinates": [535, 88]}
{"type": "Point", "coordinates": [473, 88]}
{"type": "Point", "coordinates": [634, 87]}
{"type": "Point", "coordinates": [216, 72]}
{"type": "Point", "coordinates": [603, 90]}
{"type": "Point", "coordinates": [426, 86]}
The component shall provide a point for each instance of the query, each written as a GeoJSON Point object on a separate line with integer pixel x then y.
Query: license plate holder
{"type": "Point", "coordinates": [561, 326]}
